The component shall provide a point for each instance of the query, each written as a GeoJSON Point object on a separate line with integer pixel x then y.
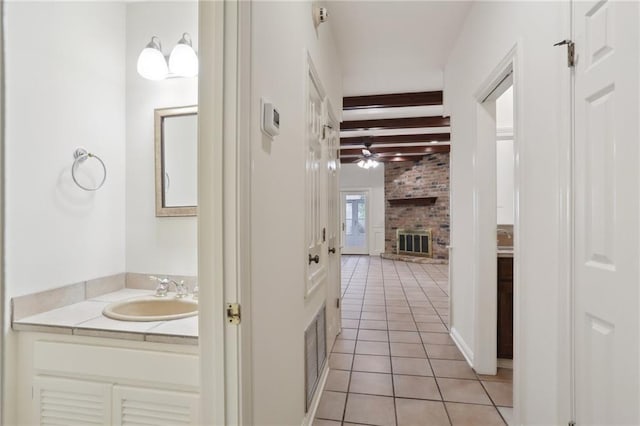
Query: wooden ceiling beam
{"type": "Point", "coordinates": [395, 123]}
{"type": "Point", "coordinates": [394, 159]}
{"type": "Point", "coordinates": [391, 151]}
{"type": "Point", "coordinates": [395, 139]}
{"type": "Point", "coordinates": [392, 100]}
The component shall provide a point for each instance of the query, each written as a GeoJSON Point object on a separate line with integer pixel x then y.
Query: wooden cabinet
{"type": "Point", "coordinates": [505, 307]}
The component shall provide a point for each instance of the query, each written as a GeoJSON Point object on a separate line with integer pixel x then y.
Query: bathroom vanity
{"type": "Point", "coordinates": [77, 366]}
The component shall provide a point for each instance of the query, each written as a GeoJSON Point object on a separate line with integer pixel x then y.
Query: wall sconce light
{"type": "Point", "coordinates": [183, 61]}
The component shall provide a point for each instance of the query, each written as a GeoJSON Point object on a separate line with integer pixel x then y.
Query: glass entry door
{"type": "Point", "coordinates": [355, 224]}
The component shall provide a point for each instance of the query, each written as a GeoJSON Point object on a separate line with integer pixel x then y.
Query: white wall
{"type": "Point", "coordinates": [281, 31]}
{"type": "Point", "coordinates": [489, 33]}
{"type": "Point", "coordinates": [166, 245]}
{"type": "Point", "coordinates": [354, 177]}
{"type": "Point", "coordinates": [65, 88]}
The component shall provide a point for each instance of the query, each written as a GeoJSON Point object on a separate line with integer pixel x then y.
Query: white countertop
{"type": "Point", "coordinates": [86, 319]}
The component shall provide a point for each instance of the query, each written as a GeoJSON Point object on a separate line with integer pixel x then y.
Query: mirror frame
{"type": "Point", "coordinates": [159, 115]}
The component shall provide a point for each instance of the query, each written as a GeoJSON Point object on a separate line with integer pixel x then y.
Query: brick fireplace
{"type": "Point", "coordinates": [417, 199]}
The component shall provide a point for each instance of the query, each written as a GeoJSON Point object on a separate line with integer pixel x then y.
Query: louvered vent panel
{"type": "Point", "coordinates": [71, 403]}
{"type": "Point", "coordinates": [154, 414]}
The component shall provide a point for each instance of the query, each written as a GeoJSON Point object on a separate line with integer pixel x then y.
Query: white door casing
{"type": "Point", "coordinates": [333, 229]}
{"type": "Point", "coordinates": [606, 183]}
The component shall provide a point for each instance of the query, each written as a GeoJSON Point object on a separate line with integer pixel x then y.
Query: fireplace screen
{"type": "Point", "coordinates": [417, 243]}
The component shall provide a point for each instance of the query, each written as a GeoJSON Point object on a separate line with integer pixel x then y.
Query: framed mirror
{"type": "Point", "coordinates": [176, 152]}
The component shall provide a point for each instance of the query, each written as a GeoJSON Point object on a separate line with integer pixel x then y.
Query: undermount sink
{"type": "Point", "coordinates": [152, 309]}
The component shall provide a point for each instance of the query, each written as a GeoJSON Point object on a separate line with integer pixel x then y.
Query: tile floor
{"type": "Point", "coordinates": [394, 362]}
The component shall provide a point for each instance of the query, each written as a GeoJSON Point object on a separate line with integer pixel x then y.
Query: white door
{"type": "Point", "coordinates": [355, 222]}
{"type": "Point", "coordinates": [316, 232]}
{"type": "Point", "coordinates": [606, 180]}
{"type": "Point", "coordinates": [333, 232]}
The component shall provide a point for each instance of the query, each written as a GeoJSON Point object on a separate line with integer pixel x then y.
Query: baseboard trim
{"type": "Point", "coordinates": [462, 345]}
{"type": "Point", "coordinates": [311, 414]}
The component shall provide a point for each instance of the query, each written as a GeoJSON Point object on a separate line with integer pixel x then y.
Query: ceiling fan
{"type": "Point", "coordinates": [368, 159]}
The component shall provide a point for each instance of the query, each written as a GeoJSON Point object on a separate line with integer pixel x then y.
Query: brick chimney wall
{"type": "Point", "coordinates": [428, 177]}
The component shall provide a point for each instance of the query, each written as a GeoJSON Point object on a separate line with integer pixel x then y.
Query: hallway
{"type": "Point", "coordinates": [394, 362]}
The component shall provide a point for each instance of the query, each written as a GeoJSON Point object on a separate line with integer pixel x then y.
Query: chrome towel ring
{"type": "Point", "coordinates": [80, 155]}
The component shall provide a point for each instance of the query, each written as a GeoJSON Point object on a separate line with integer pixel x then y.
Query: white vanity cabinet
{"type": "Point", "coordinates": [73, 380]}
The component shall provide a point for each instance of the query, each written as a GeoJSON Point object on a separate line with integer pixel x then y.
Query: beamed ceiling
{"type": "Point", "coordinates": [399, 126]}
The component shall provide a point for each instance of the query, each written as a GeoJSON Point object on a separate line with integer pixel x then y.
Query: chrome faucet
{"type": "Point", "coordinates": [163, 287]}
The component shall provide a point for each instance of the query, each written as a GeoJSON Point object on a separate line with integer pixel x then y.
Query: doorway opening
{"type": "Point", "coordinates": [496, 218]}
{"type": "Point", "coordinates": [355, 232]}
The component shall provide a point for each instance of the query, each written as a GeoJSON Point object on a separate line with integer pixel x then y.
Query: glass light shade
{"type": "Point", "coordinates": [151, 63]}
{"type": "Point", "coordinates": [183, 60]}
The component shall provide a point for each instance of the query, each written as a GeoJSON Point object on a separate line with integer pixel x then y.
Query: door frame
{"type": "Point", "coordinates": [367, 191]}
{"type": "Point", "coordinates": [224, 231]}
{"type": "Point", "coordinates": [484, 351]}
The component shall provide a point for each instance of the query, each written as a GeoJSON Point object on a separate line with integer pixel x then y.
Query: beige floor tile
{"type": "Point", "coordinates": [373, 308]}
{"type": "Point", "coordinates": [372, 363]}
{"type": "Point", "coordinates": [370, 409]}
{"type": "Point", "coordinates": [331, 406]}
{"type": "Point", "coordinates": [443, 352]}
{"type": "Point", "coordinates": [399, 317]}
{"type": "Point", "coordinates": [404, 337]}
{"type": "Point", "coordinates": [373, 335]}
{"type": "Point", "coordinates": [416, 387]}
{"type": "Point", "coordinates": [338, 380]}
{"type": "Point", "coordinates": [500, 392]}
{"type": "Point", "coordinates": [373, 325]}
{"type": "Point", "coordinates": [380, 316]}
{"type": "Point", "coordinates": [503, 375]}
{"type": "Point", "coordinates": [350, 323]}
{"type": "Point", "coordinates": [459, 390]}
{"type": "Point", "coordinates": [340, 361]}
{"type": "Point", "coordinates": [320, 422]}
{"type": "Point", "coordinates": [507, 414]}
{"type": "Point", "coordinates": [411, 366]}
{"type": "Point", "coordinates": [426, 318]}
{"type": "Point", "coordinates": [473, 415]}
{"type": "Point", "coordinates": [433, 327]}
{"type": "Point", "coordinates": [398, 310]}
{"type": "Point", "coordinates": [348, 334]}
{"type": "Point", "coordinates": [436, 338]}
{"type": "Point", "coordinates": [415, 412]}
{"type": "Point", "coordinates": [408, 350]}
{"type": "Point", "coordinates": [372, 348]}
{"type": "Point", "coordinates": [350, 314]}
{"type": "Point", "coordinates": [344, 346]}
{"type": "Point", "coordinates": [371, 383]}
{"type": "Point", "coordinates": [402, 325]}
{"type": "Point", "coordinates": [452, 369]}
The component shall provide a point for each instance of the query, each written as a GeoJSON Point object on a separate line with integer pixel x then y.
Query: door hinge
{"type": "Point", "coordinates": [233, 313]}
{"type": "Point", "coordinates": [571, 51]}
{"type": "Point", "coordinates": [324, 235]}
{"type": "Point", "coordinates": [338, 303]}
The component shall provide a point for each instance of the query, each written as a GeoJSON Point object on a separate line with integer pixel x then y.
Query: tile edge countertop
{"type": "Point", "coordinates": [86, 319]}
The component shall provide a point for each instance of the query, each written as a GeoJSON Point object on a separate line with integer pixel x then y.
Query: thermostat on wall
{"type": "Point", "coordinates": [270, 119]}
